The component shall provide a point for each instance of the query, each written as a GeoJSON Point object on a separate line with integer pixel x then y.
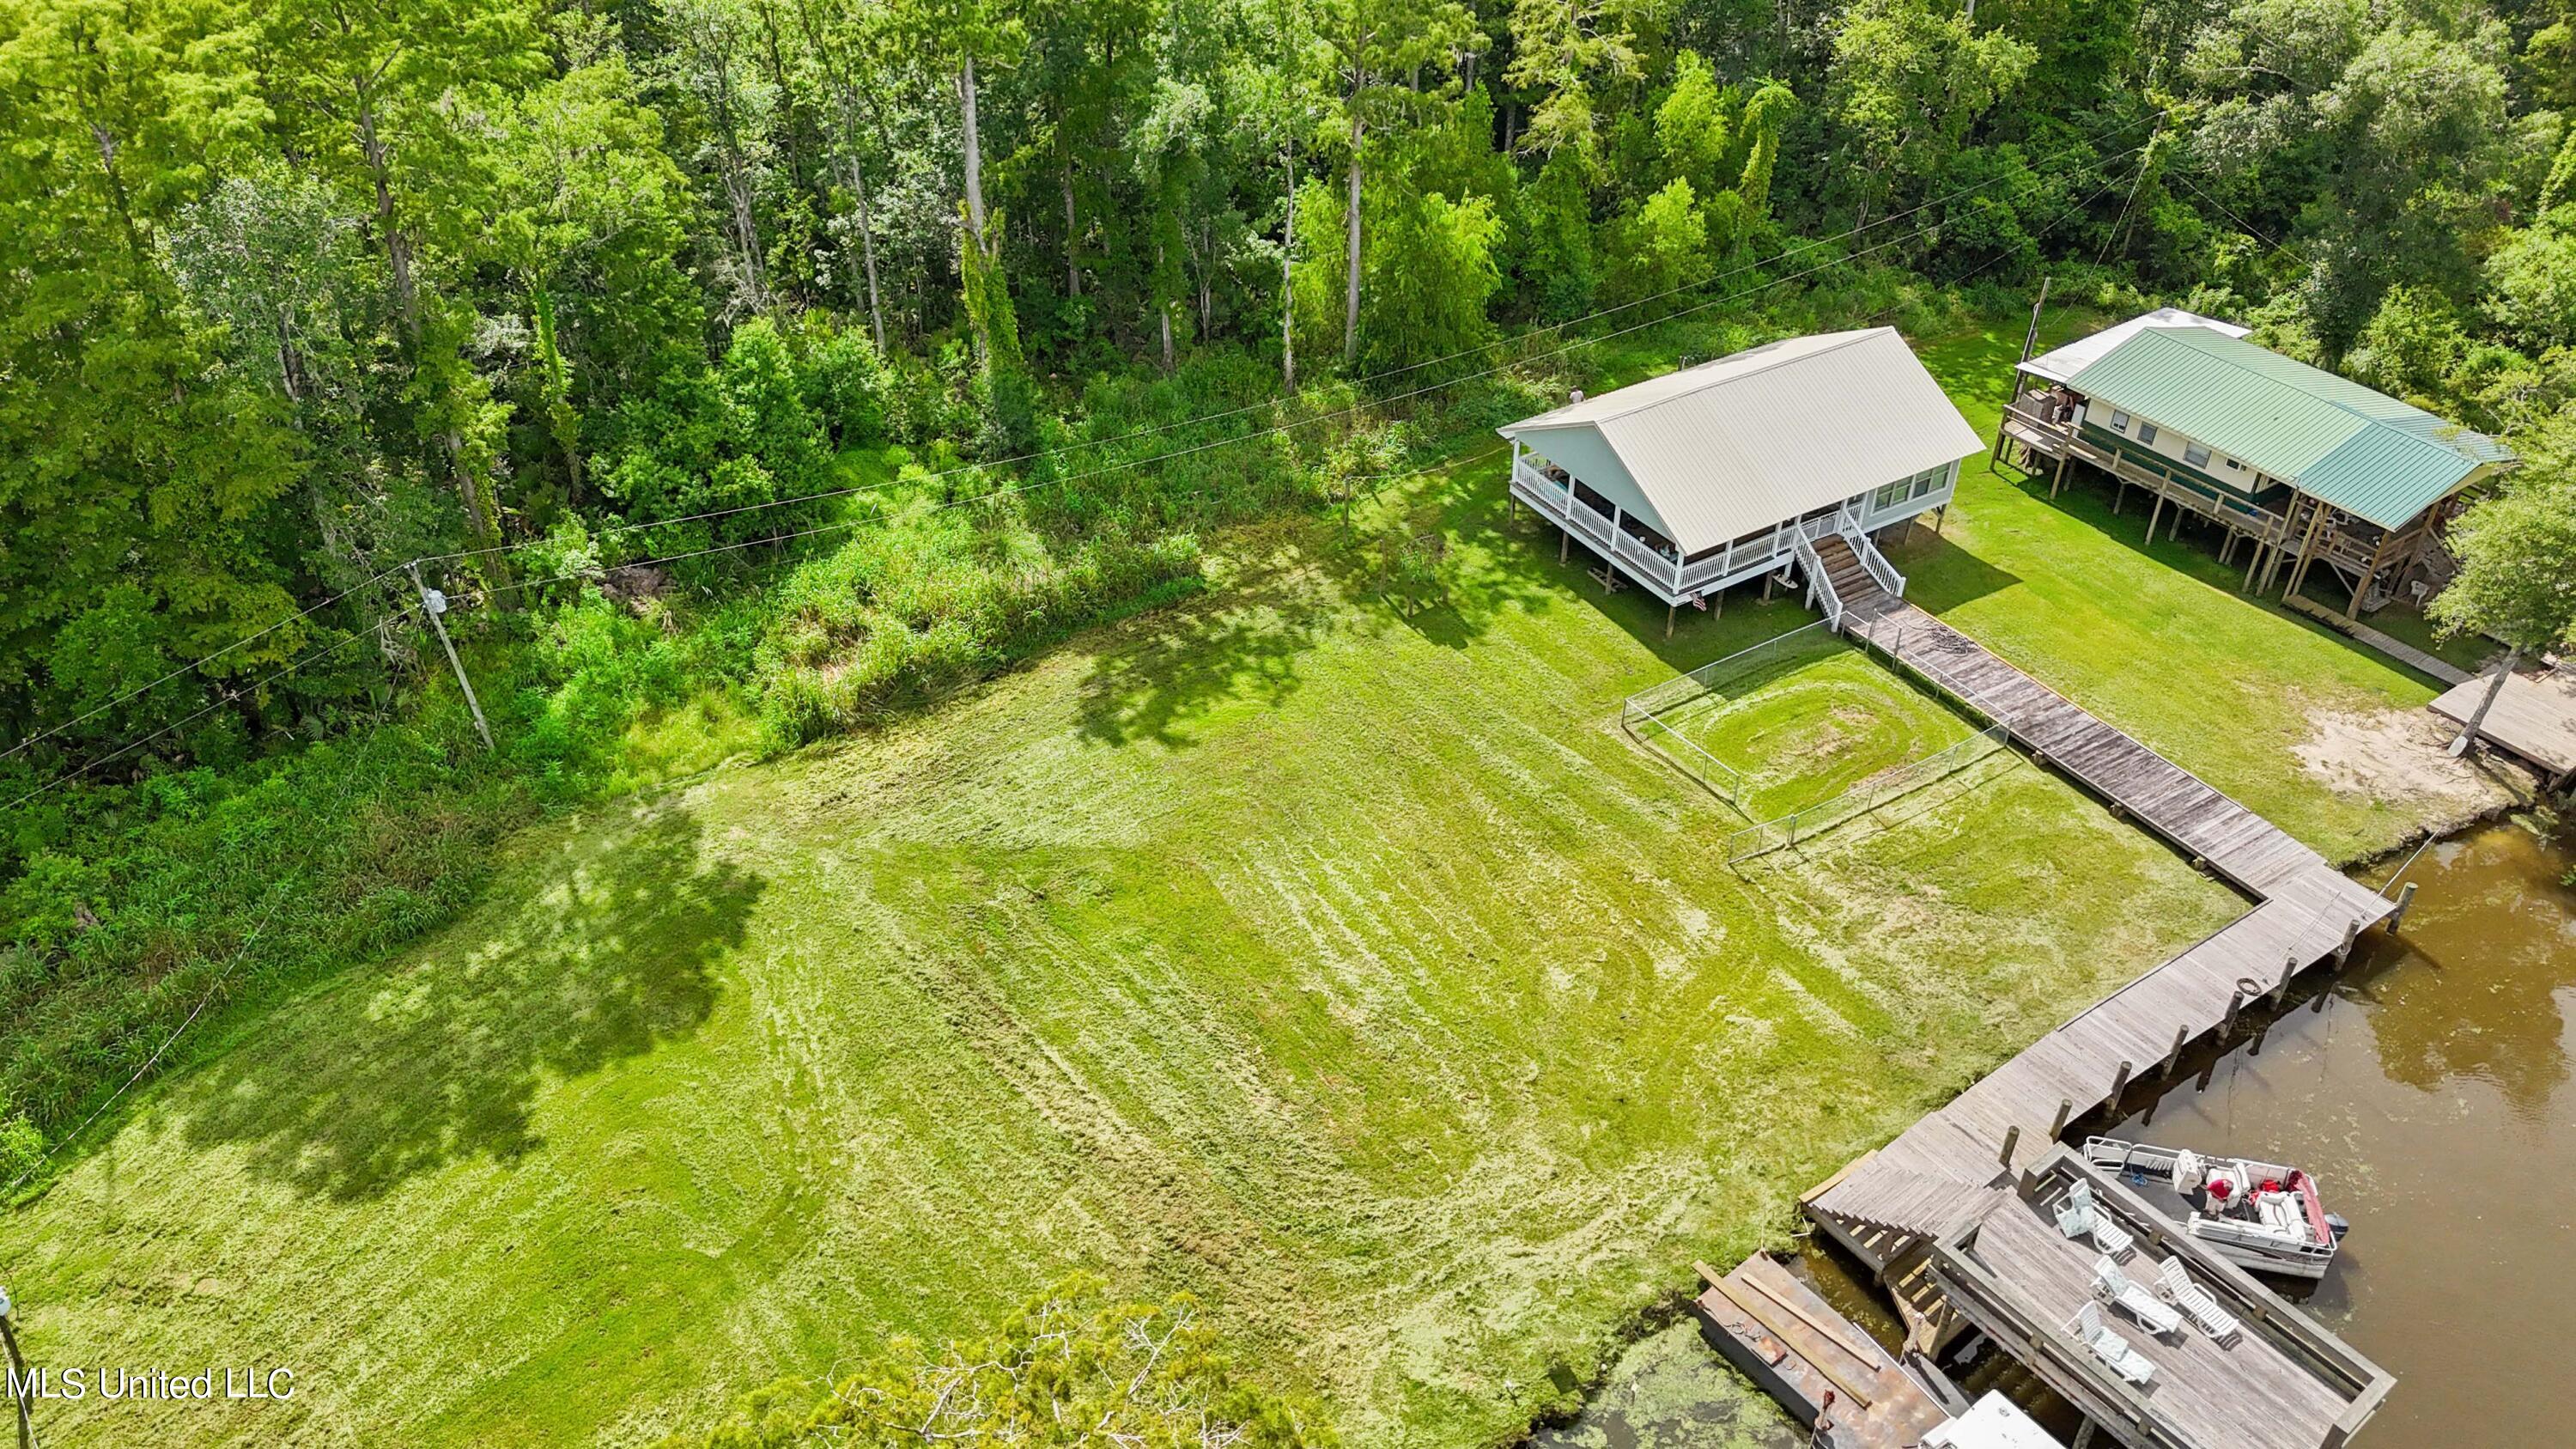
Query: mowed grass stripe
{"type": "Point", "coordinates": [1354, 972]}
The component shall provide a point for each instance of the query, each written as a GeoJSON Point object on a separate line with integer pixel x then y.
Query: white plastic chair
{"type": "Point", "coordinates": [2110, 1347]}
{"type": "Point", "coordinates": [2176, 1287]}
{"type": "Point", "coordinates": [2115, 1288]}
{"type": "Point", "coordinates": [2081, 1218]}
{"type": "Point", "coordinates": [2076, 1218]}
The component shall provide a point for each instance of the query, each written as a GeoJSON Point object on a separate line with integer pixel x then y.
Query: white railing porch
{"type": "Point", "coordinates": [1688, 578]}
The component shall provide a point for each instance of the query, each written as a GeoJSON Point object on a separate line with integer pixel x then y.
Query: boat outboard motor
{"type": "Point", "coordinates": [2336, 1225]}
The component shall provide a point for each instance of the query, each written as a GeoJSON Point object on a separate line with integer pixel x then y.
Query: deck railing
{"type": "Point", "coordinates": [2262, 524]}
{"type": "Point", "coordinates": [1820, 585]}
{"type": "Point", "coordinates": [1686, 577]}
{"type": "Point", "coordinates": [1874, 561]}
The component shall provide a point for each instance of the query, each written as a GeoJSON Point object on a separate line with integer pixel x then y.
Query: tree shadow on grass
{"type": "Point", "coordinates": [396, 1072]}
{"type": "Point", "coordinates": [1238, 643]}
{"type": "Point", "coordinates": [1242, 642]}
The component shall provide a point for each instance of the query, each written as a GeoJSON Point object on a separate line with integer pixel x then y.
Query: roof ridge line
{"type": "Point", "coordinates": [2336, 403]}
{"type": "Point", "coordinates": [1846, 340]}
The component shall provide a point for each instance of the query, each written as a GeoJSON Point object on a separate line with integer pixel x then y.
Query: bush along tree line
{"type": "Point", "coordinates": [745, 369]}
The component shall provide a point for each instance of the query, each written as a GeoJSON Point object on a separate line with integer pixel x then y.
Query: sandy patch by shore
{"type": "Point", "coordinates": [2401, 754]}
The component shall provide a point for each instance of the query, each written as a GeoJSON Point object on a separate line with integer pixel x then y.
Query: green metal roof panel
{"type": "Point", "coordinates": [2362, 451]}
{"type": "Point", "coordinates": [2387, 476]}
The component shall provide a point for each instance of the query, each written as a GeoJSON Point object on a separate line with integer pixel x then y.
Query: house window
{"type": "Point", "coordinates": [2196, 455]}
{"type": "Point", "coordinates": [2235, 466]}
{"type": "Point", "coordinates": [2119, 422]}
{"type": "Point", "coordinates": [2146, 431]}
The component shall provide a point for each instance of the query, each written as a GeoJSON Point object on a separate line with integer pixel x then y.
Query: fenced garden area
{"type": "Point", "coordinates": [1802, 732]}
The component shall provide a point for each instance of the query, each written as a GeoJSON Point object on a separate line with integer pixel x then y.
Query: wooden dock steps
{"type": "Point", "coordinates": [1844, 570]}
{"type": "Point", "coordinates": [1910, 1202]}
{"type": "Point", "coordinates": [1931, 1320]}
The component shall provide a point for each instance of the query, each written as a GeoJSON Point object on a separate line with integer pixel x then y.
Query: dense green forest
{"type": "Point", "coordinates": [743, 369]}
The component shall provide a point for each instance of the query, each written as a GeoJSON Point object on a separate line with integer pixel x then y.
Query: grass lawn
{"type": "Point", "coordinates": [1798, 725]}
{"type": "Point", "coordinates": [1354, 972]}
{"type": "Point", "coordinates": [2155, 639]}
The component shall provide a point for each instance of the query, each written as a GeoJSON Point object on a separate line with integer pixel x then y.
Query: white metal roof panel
{"type": "Point", "coordinates": [2075, 356]}
{"type": "Point", "coordinates": [1739, 443]}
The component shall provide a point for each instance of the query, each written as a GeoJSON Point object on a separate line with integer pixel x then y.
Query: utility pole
{"type": "Point", "coordinates": [435, 603]}
{"type": "Point", "coordinates": [22, 1386]}
{"type": "Point", "coordinates": [2030, 339]}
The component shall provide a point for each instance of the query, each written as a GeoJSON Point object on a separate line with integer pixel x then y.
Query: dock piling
{"type": "Point", "coordinates": [2351, 933]}
{"type": "Point", "coordinates": [2012, 1139]}
{"type": "Point", "coordinates": [2235, 1003]}
{"type": "Point", "coordinates": [2405, 898]}
{"type": "Point", "coordinates": [2057, 1124]}
{"type": "Point", "coordinates": [2182, 1034]}
{"type": "Point", "coordinates": [2120, 1085]}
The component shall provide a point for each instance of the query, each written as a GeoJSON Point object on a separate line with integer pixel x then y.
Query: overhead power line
{"type": "Point", "coordinates": [2025, 171]}
{"type": "Point", "coordinates": [1368, 379]}
{"type": "Point", "coordinates": [279, 893]}
{"type": "Point", "coordinates": [1036, 485]}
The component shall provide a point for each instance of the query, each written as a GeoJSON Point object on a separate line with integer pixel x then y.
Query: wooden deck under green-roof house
{"type": "Point", "coordinates": [2303, 466]}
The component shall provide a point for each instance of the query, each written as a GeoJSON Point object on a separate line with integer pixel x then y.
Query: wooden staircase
{"type": "Point", "coordinates": [1852, 583]}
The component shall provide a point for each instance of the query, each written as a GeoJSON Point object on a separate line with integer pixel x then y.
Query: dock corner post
{"type": "Point", "coordinates": [2120, 1085]}
{"type": "Point", "coordinates": [2405, 898]}
{"type": "Point", "coordinates": [2057, 1124]}
{"type": "Point", "coordinates": [2012, 1139]}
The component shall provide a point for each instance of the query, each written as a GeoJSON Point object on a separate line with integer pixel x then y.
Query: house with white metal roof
{"type": "Point", "coordinates": [2306, 466]}
{"type": "Point", "coordinates": [1734, 469]}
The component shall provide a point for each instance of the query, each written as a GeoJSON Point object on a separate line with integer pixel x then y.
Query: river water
{"type": "Point", "coordinates": [2428, 1088]}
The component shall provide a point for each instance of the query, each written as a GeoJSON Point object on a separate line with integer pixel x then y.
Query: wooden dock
{"type": "Point", "coordinates": [1945, 1176]}
{"type": "Point", "coordinates": [2282, 1382]}
{"type": "Point", "coordinates": [1817, 1363]}
{"type": "Point", "coordinates": [2306, 912]}
{"type": "Point", "coordinates": [2534, 718]}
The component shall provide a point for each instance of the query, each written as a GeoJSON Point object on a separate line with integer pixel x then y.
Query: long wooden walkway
{"type": "Point", "coordinates": [1920, 1185]}
{"type": "Point", "coordinates": [1950, 1213]}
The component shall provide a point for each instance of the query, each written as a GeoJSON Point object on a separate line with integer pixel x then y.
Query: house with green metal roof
{"type": "Point", "coordinates": [2299, 465]}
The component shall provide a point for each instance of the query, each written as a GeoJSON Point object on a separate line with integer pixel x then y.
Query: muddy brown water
{"type": "Point", "coordinates": [2428, 1085]}
{"type": "Point", "coordinates": [2428, 1088]}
